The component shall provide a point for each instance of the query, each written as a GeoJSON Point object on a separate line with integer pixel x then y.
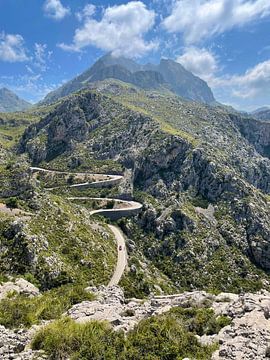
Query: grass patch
{"type": "Point", "coordinates": [19, 310]}
{"type": "Point", "coordinates": [66, 339]}
{"type": "Point", "coordinates": [171, 336]}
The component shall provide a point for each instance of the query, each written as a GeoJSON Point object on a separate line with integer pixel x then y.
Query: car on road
{"type": "Point", "coordinates": [120, 248]}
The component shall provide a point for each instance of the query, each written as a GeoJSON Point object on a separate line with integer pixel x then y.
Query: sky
{"type": "Point", "coordinates": [44, 43]}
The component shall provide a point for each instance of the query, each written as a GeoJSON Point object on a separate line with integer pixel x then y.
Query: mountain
{"type": "Point", "coordinates": [183, 82]}
{"type": "Point", "coordinates": [201, 172]}
{"type": "Point", "coordinates": [167, 76]}
{"type": "Point", "coordinates": [10, 102]}
{"type": "Point", "coordinates": [262, 113]}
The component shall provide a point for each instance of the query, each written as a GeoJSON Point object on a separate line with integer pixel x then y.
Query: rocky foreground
{"type": "Point", "coordinates": [247, 336]}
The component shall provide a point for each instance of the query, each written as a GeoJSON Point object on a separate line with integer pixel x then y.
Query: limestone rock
{"type": "Point", "coordinates": [20, 286]}
{"type": "Point", "coordinates": [14, 345]}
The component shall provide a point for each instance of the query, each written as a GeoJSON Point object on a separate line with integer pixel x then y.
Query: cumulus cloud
{"type": "Point", "coordinates": [55, 10]}
{"type": "Point", "coordinates": [199, 19]}
{"type": "Point", "coordinates": [253, 86]}
{"type": "Point", "coordinates": [88, 11]}
{"type": "Point", "coordinates": [12, 48]}
{"type": "Point", "coordinates": [254, 83]}
{"type": "Point", "coordinates": [121, 30]}
{"type": "Point", "coordinates": [200, 62]}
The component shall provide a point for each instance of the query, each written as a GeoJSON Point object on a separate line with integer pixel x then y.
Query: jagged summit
{"type": "Point", "coordinates": [167, 75]}
{"type": "Point", "coordinates": [10, 102]}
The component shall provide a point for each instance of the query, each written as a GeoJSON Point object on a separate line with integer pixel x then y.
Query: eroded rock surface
{"type": "Point", "coordinates": [20, 286]}
{"type": "Point", "coordinates": [14, 344]}
{"type": "Point", "coordinates": [247, 337]}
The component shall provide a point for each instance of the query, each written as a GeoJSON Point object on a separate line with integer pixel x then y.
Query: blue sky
{"type": "Point", "coordinates": [44, 43]}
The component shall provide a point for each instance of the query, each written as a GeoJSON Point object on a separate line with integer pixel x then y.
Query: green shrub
{"type": "Point", "coordinates": [164, 337]}
{"type": "Point", "coordinates": [128, 313]}
{"type": "Point", "coordinates": [223, 321]}
{"type": "Point", "coordinates": [200, 201]}
{"type": "Point", "coordinates": [201, 320]}
{"type": "Point", "coordinates": [22, 310]}
{"type": "Point", "coordinates": [70, 180]}
{"type": "Point", "coordinates": [110, 204]}
{"type": "Point", "coordinates": [66, 339]}
{"type": "Point", "coordinates": [12, 202]}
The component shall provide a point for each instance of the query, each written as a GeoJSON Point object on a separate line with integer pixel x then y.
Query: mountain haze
{"type": "Point", "coordinates": [262, 114]}
{"type": "Point", "coordinates": [166, 76]}
{"type": "Point", "coordinates": [10, 102]}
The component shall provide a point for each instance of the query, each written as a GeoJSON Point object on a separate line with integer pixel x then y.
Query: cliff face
{"type": "Point", "coordinates": [203, 182]}
{"type": "Point", "coordinates": [256, 132]}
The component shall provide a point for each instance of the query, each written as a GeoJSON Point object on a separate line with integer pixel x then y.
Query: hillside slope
{"type": "Point", "coordinates": [202, 179]}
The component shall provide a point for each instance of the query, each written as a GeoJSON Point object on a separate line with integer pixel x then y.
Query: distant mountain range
{"type": "Point", "coordinates": [168, 75]}
{"type": "Point", "coordinates": [262, 113]}
{"type": "Point", "coordinates": [10, 102]}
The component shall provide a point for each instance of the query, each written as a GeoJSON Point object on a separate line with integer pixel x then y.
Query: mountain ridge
{"type": "Point", "coordinates": [166, 76]}
{"type": "Point", "coordinates": [10, 102]}
{"type": "Point", "coordinates": [262, 113]}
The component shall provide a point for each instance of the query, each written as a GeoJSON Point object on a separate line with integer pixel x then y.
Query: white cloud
{"type": "Point", "coordinates": [88, 11]}
{"type": "Point", "coordinates": [120, 30]}
{"type": "Point", "coordinates": [41, 56]}
{"type": "Point", "coordinates": [254, 83]}
{"type": "Point", "coordinates": [12, 48]}
{"type": "Point", "coordinates": [250, 89]}
{"type": "Point", "coordinates": [55, 10]}
{"type": "Point", "coordinates": [199, 19]}
{"type": "Point", "coordinates": [200, 62]}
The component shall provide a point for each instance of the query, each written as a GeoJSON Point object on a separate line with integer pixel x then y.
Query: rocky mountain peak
{"type": "Point", "coordinates": [168, 75]}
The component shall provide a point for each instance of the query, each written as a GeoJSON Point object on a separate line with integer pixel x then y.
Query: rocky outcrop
{"type": "Point", "coordinates": [15, 344]}
{"type": "Point", "coordinates": [124, 314]}
{"type": "Point", "coordinates": [20, 286]}
{"type": "Point", "coordinates": [247, 337]}
{"type": "Point", "coordinates": [70, 122]}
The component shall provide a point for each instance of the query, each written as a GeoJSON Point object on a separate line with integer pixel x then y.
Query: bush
{"type": "Point", "coordinates": [164, 337]}
{"type": "Point", "coordinates": [22, 310]}
{"type": "Point", "coordinates": [128, 313]}
{"type": "Point", "coordinates": [201, 320]}
{"type": "Point", "coordinates": [70, 180]}
{"type": "Point", "coordinates": [66, 339]}
{"type": "Point", "coordinates": [110, 204]}
{"type": "Point", "coordinates": [200, 201]}
{"type": "Point", "coordinates": [12, 202]}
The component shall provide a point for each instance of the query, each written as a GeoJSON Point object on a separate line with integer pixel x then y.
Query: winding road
{"type": "Point", "coordinates": [105, 179]}
{"type": "Point", "coordinates": [130, 208]}
{"type": "Point", "coordinates": [121, 257]}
